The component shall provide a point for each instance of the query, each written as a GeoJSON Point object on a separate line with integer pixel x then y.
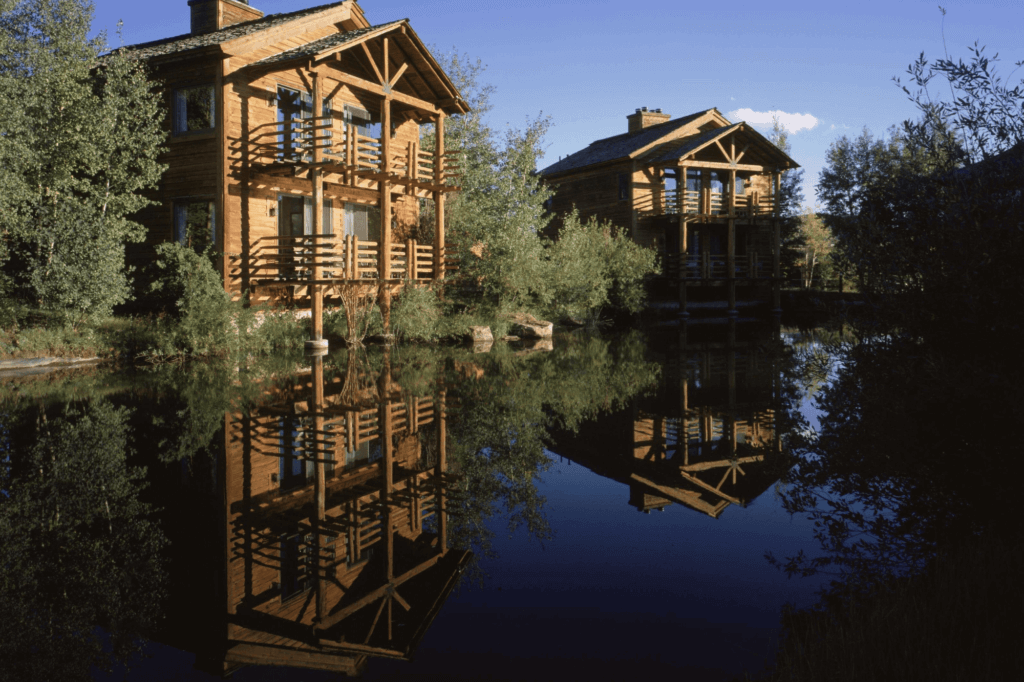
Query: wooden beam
{"type": "Point", "coordinates": [387, 61]}
{"type": "Point", "coordinates": [743, 151]}
{"type": "Point", "coordinates": [373, 63]}
{"type": "Point", "coordinates": [333, 619]}
{"type": "Point", "coordinates": [377, 89]}
{"type": "Point", "coordinates": [724, 153]}
{"type": "Point", "coordinates": [714, 165]}
{"type": "Point", "coordinates": [398, 74]}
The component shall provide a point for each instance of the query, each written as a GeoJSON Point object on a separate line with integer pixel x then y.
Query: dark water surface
{"type": "Point", "coordinates": [593, 510]}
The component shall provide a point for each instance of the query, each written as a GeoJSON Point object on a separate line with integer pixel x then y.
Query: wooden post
{"type": "Point", "coordinates": [316, 272]}
{"type": "Point", "coordinates": [384, 182]}
{"type": "Point", "coordinates": [730, 265]}
{"type": "Point", "coordinates": [439, 198]}
{"type": "Point", "coordinates": [732, 192]}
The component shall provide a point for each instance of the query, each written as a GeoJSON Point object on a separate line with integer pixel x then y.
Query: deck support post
{"type": "Point", "coordinates": [316, 175]}
{"type": "Point", "coordinates": [439, 197]}
{"type": "Point", "coordinates": [683, 246]}
{"type": "Point", "coordinates": [776, 245]}
{"type": "Point", "coordinates": [384, 263]}
{"type": "Point", "coordinates": [730, 266]}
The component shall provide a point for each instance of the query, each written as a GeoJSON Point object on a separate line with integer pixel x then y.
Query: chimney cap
{"type": "Point", "coordinates": [644, 108]}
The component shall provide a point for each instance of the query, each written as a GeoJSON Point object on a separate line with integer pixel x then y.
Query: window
{"type": "Point", "coordinates": [195, 224]}
{"type": "Point", "coordinates": [193, 109]}
{"type": "Point", "coordinates": [623, 186]}
{"type": "Point", "coordinates": [295, 216]}
{"type": "Point", "coordinates": [740, 186]}
{"type": "Point", "coordinates": [693, 180]}
{"type": "Point", "coordinates": [292, 107]}
{"type": "Point", "coordinates": [362, 221]}
{"type": "Point", "coordinates": [366, 123]}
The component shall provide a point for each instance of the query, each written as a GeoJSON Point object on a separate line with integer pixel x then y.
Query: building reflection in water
{"type": "Point", "coordinates": [337, 546]}
{"type": "Point", "coordinates": [708, 438]}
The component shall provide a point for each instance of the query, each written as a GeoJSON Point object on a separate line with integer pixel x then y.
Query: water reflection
{"type": "Point", "coordinates": [708, 439]}
{"type": "Point", "coordinates": [320, 512]}
{"type": "Point", "coordinates": [335, 493]}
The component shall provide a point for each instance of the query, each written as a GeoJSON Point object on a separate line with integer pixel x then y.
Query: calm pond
{"type": "Point", "coordinates": [593, 509]}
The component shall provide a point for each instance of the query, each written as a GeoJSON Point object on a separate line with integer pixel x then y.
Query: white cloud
{"type": "Point", "coordinates": [793, 123]}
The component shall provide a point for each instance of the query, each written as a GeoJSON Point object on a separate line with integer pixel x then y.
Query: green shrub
{"type": "Point", "coordinates": [593, 266]}
{"type": "Point", "coordinates": [416, 313]}
{"type": "Point", "coordinates": [185, 286]}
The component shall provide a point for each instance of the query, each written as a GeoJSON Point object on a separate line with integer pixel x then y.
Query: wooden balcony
{"type": "Point", "coordinates": [334, 259]}
{"type": "Point", "coordinates": [707, 203]}
{"type": "Point", "coordinates": [715, 267]}
{"type": "Point", "coordinates": [288, 149]}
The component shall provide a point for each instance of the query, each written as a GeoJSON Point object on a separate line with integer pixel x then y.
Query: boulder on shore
{"type": "Point", "coordinates": [529, 327]}
{"type": "Point", "coordinates": [480, 334]}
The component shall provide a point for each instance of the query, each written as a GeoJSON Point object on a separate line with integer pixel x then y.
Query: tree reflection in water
{"type": "Point", "coordinates": [78, 548]}
{"type": "Point", "coordinates": [908, 483]}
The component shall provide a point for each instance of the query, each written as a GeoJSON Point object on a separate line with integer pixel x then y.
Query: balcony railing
{"type": "Point", "coordinates": [715, 266]}
{"type": "Point", "coordinates": [290, 146]}
{"type": "Point", "coordinates": [333, 259]}
{"type": "Point", "coordinates": [706, 202]}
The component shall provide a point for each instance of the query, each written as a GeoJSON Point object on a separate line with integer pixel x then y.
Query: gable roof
{"type": "Point", "coordinates": [690, 144]}
{"type": "Point", "coordinates": [674, 152]}
{"type": "Point", "coordinates": [657, 145]}
{"type": "Point", "coordinates": [315, 47]}
{"type": "Point", "coordinates": [620, 146]}
{"type": "Point", "coordinates": [184, 43]}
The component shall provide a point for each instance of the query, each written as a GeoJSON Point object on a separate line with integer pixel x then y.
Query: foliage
{"type": "Point", "coordinates": [80, 138]}
{"type": "Point", "coordinates": [416, 313]}
{"type": "Point", "coordinates": [77, 547]}
{"type": "Point", "coordinates": [791, 198]}
{"type": "Point", "coordinates": [187, 287]}
{"type": "Point", "coordinates": [594, 265]}
{"type": "Point", "coordinates": [496, 220]}
{"type": "Point", "coordinates": [816, 243]}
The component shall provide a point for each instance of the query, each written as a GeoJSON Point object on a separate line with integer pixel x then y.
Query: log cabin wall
{"type": "Point", "coordinates": [191, 159]}
{"type": "Point", "coordinates": [595, 193]}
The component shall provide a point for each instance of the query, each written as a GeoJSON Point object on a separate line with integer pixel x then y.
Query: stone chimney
{"type": "Point", "coordinates": [643, 119]}
{"type": "Point", "coordinates": [212, 15]}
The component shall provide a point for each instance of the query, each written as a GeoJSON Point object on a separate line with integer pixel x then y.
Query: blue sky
{"type": "Point", "coordinates": [589, 64]}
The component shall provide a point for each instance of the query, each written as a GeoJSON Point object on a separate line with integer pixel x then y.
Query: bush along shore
{"type": "Point", "coordinates": [181, 311]}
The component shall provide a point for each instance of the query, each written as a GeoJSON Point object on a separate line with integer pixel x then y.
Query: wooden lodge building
{"type": "Point", "coordinates": [699, 189]}
{"type": "Point", "coordinates": [294, 147]}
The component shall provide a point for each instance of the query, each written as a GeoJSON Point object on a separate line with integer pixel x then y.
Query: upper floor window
{"type": "Point", "coordinates": [194, 109]}
{"type": "Point", "coordinates": [623, 186]}
{"type": "Point", "coordinates": [367, 124]}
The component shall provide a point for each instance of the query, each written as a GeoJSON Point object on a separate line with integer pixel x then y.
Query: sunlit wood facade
{"type": "Point", "coordinates": [702, 191]}
{"type": "Point", "coordinates": [294, 147]}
